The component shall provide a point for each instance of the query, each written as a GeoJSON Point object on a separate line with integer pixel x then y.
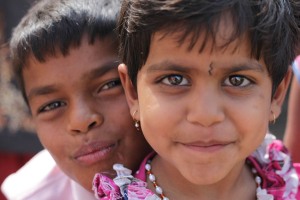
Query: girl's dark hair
{"type": "Point", "coordinates": [273, 28]}
{"type": "Point", "coordinates": [51, 27]}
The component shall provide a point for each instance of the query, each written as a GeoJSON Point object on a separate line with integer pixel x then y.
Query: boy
{"type": "Point", "coordinates": [65, 58]}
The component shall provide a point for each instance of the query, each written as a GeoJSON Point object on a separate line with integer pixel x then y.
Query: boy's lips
{"type": "Point", "coordinates": [94, 152]}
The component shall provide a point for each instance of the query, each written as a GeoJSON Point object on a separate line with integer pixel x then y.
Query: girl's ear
{"type": "Point", "coordinates": [279, 95]}
{"type": "Point", "coordinates": [130, 91]}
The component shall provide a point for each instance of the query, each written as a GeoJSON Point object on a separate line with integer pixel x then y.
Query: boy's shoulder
{"type": "Point", "coordinates": [39, 178]}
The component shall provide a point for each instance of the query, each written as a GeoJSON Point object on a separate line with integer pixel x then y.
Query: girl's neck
{"type": "Point", "coordinates": [239, 184]}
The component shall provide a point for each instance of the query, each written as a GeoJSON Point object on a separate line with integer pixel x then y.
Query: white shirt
{"type": "Point", "coordinates": [41, 179]}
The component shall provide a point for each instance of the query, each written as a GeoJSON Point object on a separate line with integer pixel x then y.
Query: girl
{"type": "Point", "coordinates": [203, 79]}
{"type": "Point", "coordinates": [292, 132]}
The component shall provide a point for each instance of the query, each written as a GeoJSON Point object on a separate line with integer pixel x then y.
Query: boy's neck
{"type": "Point", "coordinates": [237, 185]}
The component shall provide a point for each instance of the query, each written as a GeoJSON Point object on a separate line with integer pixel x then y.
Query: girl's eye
{"type": "Point", "coordinates": [175, 79]}
{"type": "Point", "coordinates": [111, 84]}
{"type": "Point", "coordinates": [237, 81]}
{"type": "Point", "coordinates": [51, 106]}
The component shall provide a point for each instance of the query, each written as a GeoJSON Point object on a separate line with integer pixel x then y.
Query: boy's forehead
{"type": "Point", "coordinates": [101, 52]}
{"type": "Point", "coordinates": [61, 49]}
{"type": "Point", "coordinates": [89, 62]}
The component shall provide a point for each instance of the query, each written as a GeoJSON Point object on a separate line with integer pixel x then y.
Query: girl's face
{"type": "Point", "coordinates": [203, 113]}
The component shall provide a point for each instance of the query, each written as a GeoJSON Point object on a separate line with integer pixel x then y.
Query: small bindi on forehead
{"type": "Point", "coordinates": [210, 70]}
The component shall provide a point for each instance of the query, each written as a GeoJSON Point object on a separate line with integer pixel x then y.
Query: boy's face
{"type": "Point", "coordinates": [80, 111]}
{"type": "Point", "coordinates": [204, 113]}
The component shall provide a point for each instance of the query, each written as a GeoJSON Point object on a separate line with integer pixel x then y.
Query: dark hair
{"type": "Point", "coordinates": [55, 26]}
{"type": "Point", "coordinates": [273, 28]}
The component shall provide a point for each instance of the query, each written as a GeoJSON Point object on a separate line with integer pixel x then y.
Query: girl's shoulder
{"type": "Point", "coordinates": [125, 185]}
{"type": "Point", "coordinates": [272, 165]}
{"type": "Point", "coordinates": [297, 168]}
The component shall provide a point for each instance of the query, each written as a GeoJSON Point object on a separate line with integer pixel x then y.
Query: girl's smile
{"type": "Point", "coordinates": [202, 112]}
{"type": "Point", "coordinates": [211, 147]}
{"type": "Point", "coordinates": [205, 79]}
{"type": "Point", "coordinates": [198, 110]}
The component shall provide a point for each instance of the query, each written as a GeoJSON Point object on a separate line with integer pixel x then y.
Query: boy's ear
{"type": "Point", "coordinates": [279, 95]}
{"type": "Point", "coordinates": [130, 91]}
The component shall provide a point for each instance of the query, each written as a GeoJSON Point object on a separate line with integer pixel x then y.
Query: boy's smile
{"type": "Point", "coordinates": [94, 152]}
{"type": "Point", "coordinates": [80, 111]}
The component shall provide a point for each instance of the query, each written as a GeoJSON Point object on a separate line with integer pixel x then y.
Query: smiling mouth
{"type": "Point", "coordinates": [206, 148]}
{"type": "Point", "coordinates": [93, 155]}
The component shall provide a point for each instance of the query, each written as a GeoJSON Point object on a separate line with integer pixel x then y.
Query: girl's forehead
{"type": "Point", "coordinates": [201, 43]}
{"type": "Point", "coordinates": [206, 55]}
{"type": "Point", "coordinates": [222, 31]}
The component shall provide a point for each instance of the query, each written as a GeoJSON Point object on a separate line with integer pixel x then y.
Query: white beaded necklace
{"type": "Point", "coordinates": [152, 178]}
{"type": "Point", "coordinates": [159, 190]}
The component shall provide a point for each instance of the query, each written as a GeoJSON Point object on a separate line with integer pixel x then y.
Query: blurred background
{"type": "Point", "coordinates": [18, 141]}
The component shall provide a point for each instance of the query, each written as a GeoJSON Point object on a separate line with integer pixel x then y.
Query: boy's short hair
{"type": "Point", "coordinates": [53, 27]}
{"type": "Point", "coordinates": [273, 27]}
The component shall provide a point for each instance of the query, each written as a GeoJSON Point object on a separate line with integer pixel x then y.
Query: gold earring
{"type": "Point", "coordinates": [274, 118]}
{"type": "Point", "coordinates": [136, 122]}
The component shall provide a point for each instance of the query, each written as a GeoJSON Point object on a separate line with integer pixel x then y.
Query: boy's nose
{"type": "Point", "coordinates": [205, 108]}
{"type": "Point", "coordinates": [83, 118]}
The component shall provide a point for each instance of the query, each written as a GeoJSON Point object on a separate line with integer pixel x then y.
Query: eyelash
{"type": "Point", "coordinates": [51, 106]}
{"type": "Point", "coordinates": [180, 78]}
{"type": "Point", "coordinates": [57, 104]}
{"type": "Point", "coordinates": [174, 77]}
{"type": "Point", "coordinates": [242, 80]}
{"type": "Point", "coordinates": [110, 84]}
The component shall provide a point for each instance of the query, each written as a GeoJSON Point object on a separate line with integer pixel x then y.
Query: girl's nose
{"type": "Point", "coordinates": [205, 108]}
{"type": "Point", "coordinates": [83, 118]}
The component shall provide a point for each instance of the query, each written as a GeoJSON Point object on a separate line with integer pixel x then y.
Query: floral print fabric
{"type": "Point", "coordinates": [271, 162]}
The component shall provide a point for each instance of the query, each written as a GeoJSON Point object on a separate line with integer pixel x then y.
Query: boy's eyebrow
{"type": "Point", "coordinates": [41, 91]}
{"type": "Point", "coordinates": [101, 70]}
{"type": "Point", "coordinates": [93, 74]}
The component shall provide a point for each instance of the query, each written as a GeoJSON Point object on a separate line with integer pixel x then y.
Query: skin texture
{"type": "Point", "coordinates": [203, 113]}
{"type": "Point", "coordinates": [80, 111]}
{"type": "Point", "coordinates": [292, 133]}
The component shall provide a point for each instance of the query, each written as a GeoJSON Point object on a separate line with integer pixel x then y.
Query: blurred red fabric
{"type": "Point", "coordinates": [10, 163]}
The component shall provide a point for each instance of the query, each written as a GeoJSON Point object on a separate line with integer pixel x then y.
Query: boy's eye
{"type": "Point", "coordinates": [51, 106]}
{"type": "Point", "coordinates": [237, 81]}
{"type": "Point", "coordinates": [111, 84]}
{"type": "Point", "coordinates": [175, 79]}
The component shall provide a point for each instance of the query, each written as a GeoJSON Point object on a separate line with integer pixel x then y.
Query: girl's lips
{"type": "Point", "coordinates": [95, 152]}
{"type": "Point", "coordinates": [207, 147]}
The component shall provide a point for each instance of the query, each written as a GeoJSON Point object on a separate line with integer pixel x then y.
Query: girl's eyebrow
{"type": "Point", "coordinates": [245, 66]}
{"type": "Point", "coordinates": [167, 65]}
